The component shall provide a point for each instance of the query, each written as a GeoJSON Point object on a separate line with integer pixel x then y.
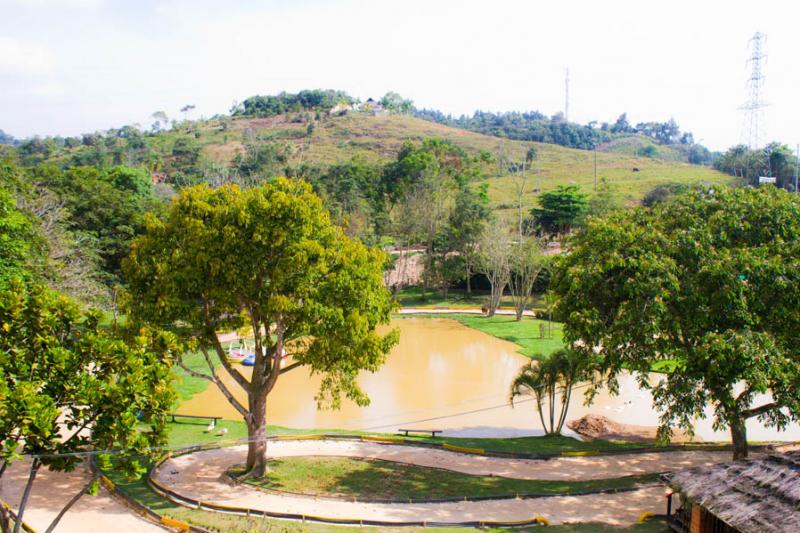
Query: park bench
{"type": "Point", "coordinates": [433, 432]}
{"type": "Point", "coordinates": [212, 418]}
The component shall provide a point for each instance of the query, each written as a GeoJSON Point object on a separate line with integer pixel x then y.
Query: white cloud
{"type": "Point", "coordinates": [19, 58]}
{"type": "Point", "coordinates": [59, 3]}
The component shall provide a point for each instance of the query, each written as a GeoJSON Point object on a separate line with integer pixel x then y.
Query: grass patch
{"type": "Point", "coordinates": [456, 298]}
{"type": "Point", "coordinates": [188, 433]}
{"type": "Point", "coordinates": [526, 333]}
{"type": "Point", "coordinates": [188, 385]}
{"type": "Point", "coordinates": [139, 491]}
{"type": "Point", "coordinates": [377, 479]}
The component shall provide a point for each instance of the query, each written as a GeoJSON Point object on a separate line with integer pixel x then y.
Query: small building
{"type": "Point", "coordinates": [372, 106]}
{"type": "Point", "coordinates": [760, 495]}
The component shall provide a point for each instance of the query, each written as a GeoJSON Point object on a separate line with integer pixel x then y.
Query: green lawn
{"type": "Point", "coordinates": [188, 385]}
{"type": "Point", "coordinates": [526, 333]}
{"type": "Point", "coordinates": [188, 433]}
{"type": "Point", "coordinates": [386, 480]}
{"type": "Point", "coordinates": [412, 297]}
{"type": "Point", "coordinates": [139, 491]}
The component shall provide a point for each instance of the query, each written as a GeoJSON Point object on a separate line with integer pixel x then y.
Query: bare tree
{"type": "Point", "coordinates": [527, 261]}
{"type": "Point", "coordinates": [494, 261]}
{"type": "Point", "coordinates": [505, 166]}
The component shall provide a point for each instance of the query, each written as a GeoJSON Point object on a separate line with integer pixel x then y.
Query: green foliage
{"type": "Point", "coordinates": [662, 193]}
{"type": "Point", "coordinates": [648, 151]}
{"type": "Point", "coordinates": [775, 160]}
{"type": "Point", "coordinates": [61, 374]}
{"type": "Point", "coordinates": [708, 282]}
{"type": "Point", "coordinates": [7, 138]}
{"type": "Point", "coordinates": [16, 235]}
{"type": "Point", "coordinates": [560, 210]}
{"type": "Point", "coordinates": [105, 206]}
{"type": "Point", "coordinates": [550, 378]}
{"type": "Point", "coordinates": [317, 99]}
{"type": "Point", "coordinates": [394, 102]}
{"type": "Point", "coordinates": [605, 200]}
{"type": "Point", "coordinates": [270, 258]}
{"type": "Point", "coordinates": [522, 126]}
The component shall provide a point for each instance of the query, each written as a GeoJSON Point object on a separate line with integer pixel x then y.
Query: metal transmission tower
{"type": "Point", "coordinates": [566, 96]}
{"type": "Point", "coordinates": [753, 127]}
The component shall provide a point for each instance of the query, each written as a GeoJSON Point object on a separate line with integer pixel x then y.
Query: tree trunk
{"type": "Point", "coordinates": [5, 519]}
{"type": "Point", "coordinates": [739, 438]}
{"type": "Point", "coordinates": [469, 279]}
{"type": "Point", "coordinates": [72, 502]}
{"type": "Point", "coordinates": [256, 465]}
{"type": "Point", "coordinates": [35, 464]}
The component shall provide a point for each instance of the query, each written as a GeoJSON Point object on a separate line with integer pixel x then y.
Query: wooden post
{"type": "Point", "coordinates": [696, 525]}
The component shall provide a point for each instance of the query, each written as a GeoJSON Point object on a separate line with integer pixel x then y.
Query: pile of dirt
{"type": "Point", "coordinates": [600, 427]}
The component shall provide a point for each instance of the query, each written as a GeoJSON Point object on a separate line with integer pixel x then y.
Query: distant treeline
{"type": "Point", "coordinates": [537, 127]}
{"type": "Point", "coordinates": [774, 160]}
{"type": "Point", "coordinates": [271, 105]}
{"type": "Point", "coordinates": [6, 138]}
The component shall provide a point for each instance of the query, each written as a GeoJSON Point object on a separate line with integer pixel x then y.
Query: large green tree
{"type": "Point", "coordinates": [560, 209]}
{"type": "Point", "coordinates": [704, 287]}
{"type": "Point", "coordinates": [69, 387]}
{"type": "Point", "coordinates": [269, 258]}
{"type": "Point", "coordinates": [16, 236]}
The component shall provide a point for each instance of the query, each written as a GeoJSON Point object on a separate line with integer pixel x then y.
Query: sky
{"type": "Point", "coordinates": [75, 66]}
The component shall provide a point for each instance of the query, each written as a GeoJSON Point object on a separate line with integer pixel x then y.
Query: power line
{"type": "Point", "coordinates": [246, 440]}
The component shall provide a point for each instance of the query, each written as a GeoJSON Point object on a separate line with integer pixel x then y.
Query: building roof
{"type": "Point", "coordinates": [755, 495]}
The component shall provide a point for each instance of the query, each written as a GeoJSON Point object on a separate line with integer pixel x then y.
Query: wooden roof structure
{"type": "Point", "coordinates": [755, 495]}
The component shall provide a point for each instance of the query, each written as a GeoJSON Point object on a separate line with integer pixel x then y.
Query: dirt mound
{"type": "Point", "coordinates": [600, 427]}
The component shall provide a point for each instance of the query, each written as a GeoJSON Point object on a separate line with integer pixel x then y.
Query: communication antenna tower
{"type": "Point", "coordinates": [753, 127]}
{"type": "Point", "coordinates": [566, 96]}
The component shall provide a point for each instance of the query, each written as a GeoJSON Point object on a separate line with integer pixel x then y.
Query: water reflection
{"type": "Point", "coordinates": [443, 375]}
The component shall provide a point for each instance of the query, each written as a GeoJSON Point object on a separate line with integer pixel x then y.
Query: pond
{"type": "Point", "coordinates": [443, 375]}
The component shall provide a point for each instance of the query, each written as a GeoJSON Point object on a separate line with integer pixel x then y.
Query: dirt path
{"type": "Point", "coordinates": [198, 476]}
{"type": "Point", "coordinates": [52, 490]}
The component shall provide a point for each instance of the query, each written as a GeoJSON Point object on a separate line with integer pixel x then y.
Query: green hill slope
{"type": "Point", "coordinates": [379, 138]}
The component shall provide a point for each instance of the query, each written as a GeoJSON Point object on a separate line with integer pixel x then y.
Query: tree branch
{"type": "Point", "coordinates": [749, 413]}
{"type": "Point", "coordinates": [193, 373]}
{"type": "Point", "coordinates": [291, 367]}
{"type": "Point", "coordinates": [235, 374]}
{"type": "Point", "coordinates": [225, 391]}
{"type": "Point", "coordinates": [72, 502]}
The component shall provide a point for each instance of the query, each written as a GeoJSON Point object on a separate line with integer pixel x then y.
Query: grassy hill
{"type": "Point", "coordinates": [378, 138]}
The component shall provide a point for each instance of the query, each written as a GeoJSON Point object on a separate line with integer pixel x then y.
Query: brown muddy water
{"type": "Point", "coordinates": [442, 375]}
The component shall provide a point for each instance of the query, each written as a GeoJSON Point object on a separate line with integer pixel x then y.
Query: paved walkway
{"type": "Point", "coordinates": [52, 490]}
{"type": "Point", "coordinates": [199, 476]}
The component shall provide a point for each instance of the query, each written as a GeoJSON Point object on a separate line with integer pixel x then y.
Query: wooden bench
{"type": "Point", "coordinates": [433, 432]}
{"type": "Point", "coordinates": [212, 418]}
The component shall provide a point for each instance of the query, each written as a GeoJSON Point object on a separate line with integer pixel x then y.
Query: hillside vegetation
{"type": "Point", "coordinates": [378, 139]}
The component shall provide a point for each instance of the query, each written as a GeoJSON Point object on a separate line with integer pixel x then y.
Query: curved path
{"type": "Point", "coordinates": [52, 490]}
{"type": "Point", "coordinates": [200, 476]}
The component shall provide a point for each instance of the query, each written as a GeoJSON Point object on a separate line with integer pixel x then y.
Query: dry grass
{"type": "Point", "coordinates": [378, 139]}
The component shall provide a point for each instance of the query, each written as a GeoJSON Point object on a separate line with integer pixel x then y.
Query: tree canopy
{"type": "Point", "coordinates": [703, 287]}
{"type": "Point", "coordinates": [69, 386]}
{"type": "Point", "coordinates": [267, 257]}
{"type": "Point", "coordinates": [561, 209]}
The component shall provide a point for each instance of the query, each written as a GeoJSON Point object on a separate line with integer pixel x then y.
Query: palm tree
{"type": "Point", "coordinates": [547, 378]}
